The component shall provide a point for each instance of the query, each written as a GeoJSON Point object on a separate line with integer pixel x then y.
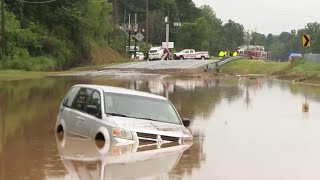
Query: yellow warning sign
{"type": "Point", "coordinates": [306, 41]}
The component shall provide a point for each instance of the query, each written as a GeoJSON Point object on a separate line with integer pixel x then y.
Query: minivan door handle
{"type": "Point", "coordinates": [80, 118]}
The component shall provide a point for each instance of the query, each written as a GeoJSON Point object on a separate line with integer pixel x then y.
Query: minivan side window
{"type": "Point", "coordinates": [81, 99]}
{"type": "Point", "coordinates": [70, 96]}
{"type": "Point", "coordinates": [93, 106]}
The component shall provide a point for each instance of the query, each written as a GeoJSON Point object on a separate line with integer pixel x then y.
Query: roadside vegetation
{"type": "Point", "coordinates": [8, 75]}
{"type": "Point", "coordinates": [296, 70]}
{"type": "Point", "coordinates": [247, 66]}
{"type": "Point", "coordinates": [57, 35]}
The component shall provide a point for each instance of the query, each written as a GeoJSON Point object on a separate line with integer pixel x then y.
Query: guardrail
{"type": "Point", "coordinates": [312, 57]}
{"type": "Point", "coordinates": [215, 65]}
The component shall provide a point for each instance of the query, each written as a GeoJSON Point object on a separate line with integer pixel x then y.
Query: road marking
{"type": "Point", "coordinates": [162, 77]}
{"type": "Point", "coordinates": [186, 67]}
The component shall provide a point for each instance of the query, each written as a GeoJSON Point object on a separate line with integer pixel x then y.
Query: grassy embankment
{"type": "Point", "coordinates": [8, 75]}
{"type": "Point", "coordinates": [101, 57]}
{"type": "Point", "coordinates": [297, 70]}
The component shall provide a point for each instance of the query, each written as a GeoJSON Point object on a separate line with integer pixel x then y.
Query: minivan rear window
{"type": "Point", "coordinates": [153, 51]}
{"type": "Point", "coordinates": [81, 99]}
{"type": "Point", "coordinates": [70, 96]}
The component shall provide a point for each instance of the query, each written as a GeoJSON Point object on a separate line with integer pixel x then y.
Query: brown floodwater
{"type": "Point", "coordinates": [243, 129]}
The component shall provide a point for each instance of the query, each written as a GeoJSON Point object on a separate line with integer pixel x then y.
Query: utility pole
{"type": "Point", "coordinates": [129, 31]}
{"type": "Point", "coordinates": [114, 14]}
{"type": "Point", "coordinates": [167, 31]}
{"type": "Point", "coordinates": [135, 39]}
{"type": "Point", "coordinates": [3, 36]}
{"type": "Point", "coordinates": [147, 21]}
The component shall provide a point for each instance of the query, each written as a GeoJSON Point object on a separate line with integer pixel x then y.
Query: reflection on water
{"type": "Point", "coordinates": [84, 160]}
{"type": "Point", "coordinates": [244, 129]}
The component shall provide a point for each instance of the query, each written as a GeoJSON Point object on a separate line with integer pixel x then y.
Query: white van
{"type": "Point", "coordinates": [120, 115]}
{"type": "Point", "coordinates": [155, 53]}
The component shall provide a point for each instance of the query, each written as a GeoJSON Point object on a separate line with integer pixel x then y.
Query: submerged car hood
{"type": "Point", "coordinates": [152, 127]}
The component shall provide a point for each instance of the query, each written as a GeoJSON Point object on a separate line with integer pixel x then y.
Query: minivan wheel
{"type": "Point", "coordinates": [60, 133]}
{"type": "Point", "coordinates": [100, 140]}
{"type": "Point", "coordinates": [60, 129]}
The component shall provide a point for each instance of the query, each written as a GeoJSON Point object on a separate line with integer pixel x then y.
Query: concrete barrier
{"type": "Point", "coordinates": [312, 57]}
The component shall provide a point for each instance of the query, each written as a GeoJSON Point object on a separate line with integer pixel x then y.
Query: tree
{"type": "Point", "coordinates": [188, 12]}
{"type": "Point", "coordinates": [194, 35]}
{"type": "Point", "coordinates": [278, 51]}
{"type": "Point", "coordinates": [215, 37]}
{"type": "Point", "coordinates": [258, 39]}
{"type": "Point", "coordinates": [233, 34]}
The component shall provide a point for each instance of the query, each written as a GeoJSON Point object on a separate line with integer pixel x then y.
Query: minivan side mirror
{"type": "Point", "coordinates": [186, 122]}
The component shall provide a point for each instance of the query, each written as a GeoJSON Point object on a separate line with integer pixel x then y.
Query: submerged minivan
{"type": "Point", "coordinates": [120, 115]}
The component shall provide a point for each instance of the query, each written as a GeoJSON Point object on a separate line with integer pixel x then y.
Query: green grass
{"type": "Point", "coordinates": [297, 70]}
{"type": "Point", "coordinates": [254, 67]}
{"type": "Point", "coordinates": [7, 75]}
{"type": "Point", "coordinates": [300, 67]}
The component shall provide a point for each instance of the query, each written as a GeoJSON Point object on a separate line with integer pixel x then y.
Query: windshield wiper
{"type": "Point", "coordinates": [146, 118]}
{"type": "Point", "coordinates": [116, 114]}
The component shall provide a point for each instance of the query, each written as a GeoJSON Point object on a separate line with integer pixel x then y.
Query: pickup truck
{"type": "Point", "coordinates": [191, 54]}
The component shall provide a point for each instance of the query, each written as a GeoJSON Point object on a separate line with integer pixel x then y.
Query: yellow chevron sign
{"type": "Point", "coordinates": [306, 40]}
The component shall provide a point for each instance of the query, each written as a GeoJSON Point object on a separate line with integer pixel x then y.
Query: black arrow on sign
{"type": "Point", "coordinates": [307, 40]}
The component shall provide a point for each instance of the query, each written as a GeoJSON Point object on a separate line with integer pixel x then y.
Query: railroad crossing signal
{"type": "Point", "coordinates": [306, 41]}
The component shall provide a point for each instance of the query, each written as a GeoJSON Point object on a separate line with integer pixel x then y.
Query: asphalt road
{"type": "Point", "coordinates": [162, 64]}
{"type": "Point", "coordinates": [127, 70]}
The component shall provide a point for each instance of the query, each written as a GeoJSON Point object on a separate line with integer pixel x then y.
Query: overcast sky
{"type": "Point", "coordinates": [266, 16]}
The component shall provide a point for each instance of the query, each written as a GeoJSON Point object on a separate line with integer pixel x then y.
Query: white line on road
{"type": "Point", "coordinates": [192, 65]}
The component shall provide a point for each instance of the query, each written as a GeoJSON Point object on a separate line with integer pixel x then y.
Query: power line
{"type": "Point", "coordinates": [98, 1]}
{"type": "Point", "coordinates": [130, 6]}
{"type": "Point", "coordinates": [36, 2]}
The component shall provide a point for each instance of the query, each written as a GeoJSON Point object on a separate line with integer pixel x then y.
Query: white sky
{"type": "Point", "coordinates": [266, 16]}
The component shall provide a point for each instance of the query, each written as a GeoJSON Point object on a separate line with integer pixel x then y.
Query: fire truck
{"type": "Point", "coordinates": [253, 52]}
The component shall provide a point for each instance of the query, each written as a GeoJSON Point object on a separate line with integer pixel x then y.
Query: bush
{"type": "Point", "coordinates": [30, 64]}
{"type": "Point", "coordinates": [296, 62]}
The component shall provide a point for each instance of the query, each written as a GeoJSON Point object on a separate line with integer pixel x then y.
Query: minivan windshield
{"type": "Point", "coordinates": [146, 108]}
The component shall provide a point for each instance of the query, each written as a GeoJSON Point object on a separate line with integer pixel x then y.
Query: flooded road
{"type": "Point", "coordinates": [243, 129]}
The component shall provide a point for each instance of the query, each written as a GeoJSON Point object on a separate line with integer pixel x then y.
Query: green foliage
{"type": "Point", "coordinates": [30, 64]}
{"type": "Point", "coordinates": [62, 30]}
{"type": "Point", "coordinates": [281, 46]}
{"type": "Point", "coordinates": [258, 39]}
{"type": "Point", "coordinates": [234, 36]}
{"type": "Point", "coordinates": [304, 68]}
{"type": "Point", "coordinates": [199, 33]}
{"type": "Point", "coordinates": [278, 50]}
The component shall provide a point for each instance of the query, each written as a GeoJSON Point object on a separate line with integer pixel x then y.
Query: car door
{"type": "Point", "coordinates": [78, 112]}
{"type": "Point", "coordinates": [66, 111]}
{"type": "Point", "coordinates": [93, 115]}
{"type": "Point", "coordinates": [186, 56]}
{"type": "Point", "coordinates": [192, 54]}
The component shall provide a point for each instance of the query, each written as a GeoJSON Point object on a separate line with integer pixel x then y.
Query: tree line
{"type": "Point", "coordinates": [281, 46]}
{"type": "Point", "coordinates": [200, 28]}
